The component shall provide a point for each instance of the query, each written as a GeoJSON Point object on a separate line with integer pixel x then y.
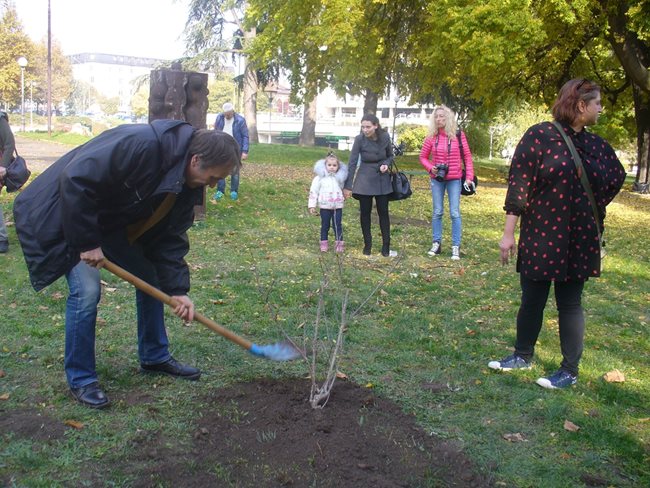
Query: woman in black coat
{"type": "Point", "coordinates": [369, 177]}
{"type": "Point", "coordinates": [558, 241]}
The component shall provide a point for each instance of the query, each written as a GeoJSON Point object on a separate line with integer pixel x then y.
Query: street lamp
{"type": "Point", "coordinates": [31, 105]}
{"type": "Point", "coordinates": [22, 62]}
{"type": "Point", "coordinates": [396, 100]}
{"type": "Point", "coordinates": [270, 92]}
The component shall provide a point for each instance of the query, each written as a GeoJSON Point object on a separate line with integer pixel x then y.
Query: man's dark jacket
{"type": "Point", "coordinates": [96, 190]}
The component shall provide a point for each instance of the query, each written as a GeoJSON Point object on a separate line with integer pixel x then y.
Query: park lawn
{"type": "Point", "coordinates": [428, 322]}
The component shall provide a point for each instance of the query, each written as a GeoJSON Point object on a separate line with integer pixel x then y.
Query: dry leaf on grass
{"type": "Point", "coordinates": [74, 424]}
{"type": "Point", "coordinates": [341, 376]}
{"type": "Point", "coordinates": [2, 373]}
{"type": "Point", "coordinates": [614, 376]}
{"type": "Point", "coordinates": [517, 437]}
{"type": "Point", "coordinates": [57, 295]}
{"type": "Point", "coordinates": [570, 426]}
{"type": "Point", "coordinates": [4, 396]}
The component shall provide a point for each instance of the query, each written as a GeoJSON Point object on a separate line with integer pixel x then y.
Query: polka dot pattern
{"type": "Point", "coordinates": [558, 238]}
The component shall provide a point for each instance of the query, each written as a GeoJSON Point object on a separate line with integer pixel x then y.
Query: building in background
{"type": "Point", "coordinates": [112, 75]}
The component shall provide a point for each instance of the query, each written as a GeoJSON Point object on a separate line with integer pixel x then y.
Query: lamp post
{"type": "Point", "coordinates": [396, 100]}
{"type": "Point", "coordinates": [31, 105]}
{"type": "Point", "coordinates": [270, 92]}
{"type": "Point", "coordinates": [22, 62]}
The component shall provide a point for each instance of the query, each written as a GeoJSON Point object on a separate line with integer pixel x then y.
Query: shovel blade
{"type": "Point", "coordinates": [280, 351]}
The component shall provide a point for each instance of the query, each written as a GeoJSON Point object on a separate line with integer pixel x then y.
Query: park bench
{"type": "Point", "coordinates": [289, 135]}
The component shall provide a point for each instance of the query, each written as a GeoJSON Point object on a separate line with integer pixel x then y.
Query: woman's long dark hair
{"type": "Point", "coordinates": [372, 118]}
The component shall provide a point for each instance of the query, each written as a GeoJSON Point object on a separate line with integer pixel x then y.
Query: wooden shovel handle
{"type": "Point", "coordinates": [165, 298]}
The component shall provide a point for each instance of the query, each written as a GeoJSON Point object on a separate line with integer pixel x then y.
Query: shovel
{"type": "Point", "coordinates": [280, 351]}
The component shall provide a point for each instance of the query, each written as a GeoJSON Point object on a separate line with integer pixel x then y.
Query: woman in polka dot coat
{"type": "Point", "coordinates": [558, 240]}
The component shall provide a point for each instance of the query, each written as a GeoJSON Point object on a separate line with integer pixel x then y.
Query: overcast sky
{"type": "Point", "coordinates": [146, 28]}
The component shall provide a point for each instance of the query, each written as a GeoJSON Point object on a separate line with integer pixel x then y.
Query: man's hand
{"type": "Point", "coordinates": [93, 258]}
{"type": "Point", "coordinates": [184, 307]}
{"type": "Point", "coordinates": [347, 194]}
{"type": "Point", "coordinates": [469, 185]}
{"type": "Point", "coordinates": [244, 156]}
{"type": "Point", "coordinates": [383, 168]}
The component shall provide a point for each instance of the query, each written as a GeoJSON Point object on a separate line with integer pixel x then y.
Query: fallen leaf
{"type": "Point", "coordinates": [614, 376]}
{"type": "Point", "coordinates": [514, 437]}
{"type": "Point", "coordinates": [646, 419]}
{"type": "Point", "coordinates": [2, 373]}
{"type": "Point", "coordinates": [42, 307]}
{"type": "Point", "coordinates": [4, 396]}
{"type": "Point", "coordinates": [471, 332]}
{"type": "Point", "coordinates": [13, 305]}
{"type": "Point", "coordinates": [565, 455]}
{"type": "Point", "coordinates": [110, 288]}
{"type": "Point", "coordinates": [570, 426]}
{"type": "Point", "coordinates": [218, 301]}
{"type": "Point", "coordinates": [103, 283]}
{"type": "Point", "coordinates": [383, 292]}
{"type": "Point", "coordinates": [369, 385]}
{"type": "Point", "coordinates": [57, 295]}
{"type": "Point", "coordinates": [341, 376]}
{"type": "Point", "coordinates": [74, 424]}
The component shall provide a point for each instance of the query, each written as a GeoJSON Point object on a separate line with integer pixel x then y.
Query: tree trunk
{"type": "Point", "coordinates": [308, 133]}
{"type": "Point", "coordinates": [250, 93]}
{"type": "Point", "coordinates": [642, 116]}
{"type": "Point", "coordinates": [370, 102]}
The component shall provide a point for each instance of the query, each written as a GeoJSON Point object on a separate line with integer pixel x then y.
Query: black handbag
{"type": "Point", "coordinates": [463, 191]}
{"type": "Point", "coordinates": [17, 174]}
{"type": "Point", "coordinates": [401, 185]}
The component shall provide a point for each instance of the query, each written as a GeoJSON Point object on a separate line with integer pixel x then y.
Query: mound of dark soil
{"type": "Point", "coordinates": [265, 434]}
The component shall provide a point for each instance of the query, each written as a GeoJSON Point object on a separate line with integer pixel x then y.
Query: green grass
{"type": "Point", "coordinates": [255, 268]}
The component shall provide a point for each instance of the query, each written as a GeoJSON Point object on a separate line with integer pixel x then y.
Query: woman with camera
{"type": "Point", "coordinates": [561, 179]}
{"type": "Point", "coordinates": [369, 177]}
{"type": "Point", "coordinates": [442, 155]}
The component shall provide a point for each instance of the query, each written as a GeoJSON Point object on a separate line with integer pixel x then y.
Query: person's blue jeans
{"type": "Point", "coordinates": [234, 183]}
{"type": "Point", "coordinates": [81, 315]}
{"type": "Point", "coordinates": [3, 229]}
{"type": "Point", "coordinates": [331, 218]}
{"type": "Point", "coordinates": [437, 197]}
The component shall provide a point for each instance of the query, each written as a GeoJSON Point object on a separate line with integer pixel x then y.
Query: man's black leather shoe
{"type": "Point", "coordinates": [91, 396]}
{"type": "Point", "coordinates": [172, 367]}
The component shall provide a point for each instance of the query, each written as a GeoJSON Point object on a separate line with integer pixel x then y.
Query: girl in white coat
{"type": "Point", "coordinates": [326, 192]}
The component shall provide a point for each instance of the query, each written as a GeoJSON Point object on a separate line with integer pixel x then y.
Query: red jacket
{"type": "Point", "coordinates": [447, 152]}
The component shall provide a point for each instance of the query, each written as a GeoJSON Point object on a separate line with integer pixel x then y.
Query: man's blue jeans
{"type": "Point", "coordinates": [80, 322]}
{"type": "Point", "coordinates": [234, 183]}
{"type": "Point", "coordinates": [437, 196]}
{"type": "Point", "coordinates": [3, 229]}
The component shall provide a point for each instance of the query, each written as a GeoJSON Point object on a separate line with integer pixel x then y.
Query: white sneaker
{"type": "Point", "coordinates": [435, 249]}
{"type": "Point", "coordinates": [455, 253]}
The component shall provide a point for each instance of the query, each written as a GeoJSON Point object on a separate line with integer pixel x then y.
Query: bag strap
{"type": "Point", "coordinates": [460, 148]}
{"type": "Point", "coordinates": [134, 231]}
{"type": "Point", "coordinates": [583, 178]}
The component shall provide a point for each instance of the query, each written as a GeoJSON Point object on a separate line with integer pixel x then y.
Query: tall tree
{"type": "Point", "coordinates": [499, 50]}
{"type": "Point", "coordinates": [207, 37]}
{"type": "Point", "coordinates": [14, 43]}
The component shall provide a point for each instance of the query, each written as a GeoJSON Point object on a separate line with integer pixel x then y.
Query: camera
{"type": "Point", "coordinates": [441, 172]}
{"type": "Point", "coordinates": [398, 150]}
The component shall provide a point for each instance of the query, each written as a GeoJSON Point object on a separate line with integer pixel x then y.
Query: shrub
{"type": "Point", "coordinates": [411, 135]}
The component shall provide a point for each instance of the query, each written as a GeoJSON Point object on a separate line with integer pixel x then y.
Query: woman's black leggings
{"type": "Point", "coordinates": [568, 298]}
{"type": "Point", "coordinates": [365, 208]}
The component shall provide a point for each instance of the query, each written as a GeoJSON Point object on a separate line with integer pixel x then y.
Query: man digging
{"type": "Point", "coordinates": [128, 194]}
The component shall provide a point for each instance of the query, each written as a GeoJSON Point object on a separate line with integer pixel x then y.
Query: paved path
{"type": "Point", "coordinates": [40, 154]}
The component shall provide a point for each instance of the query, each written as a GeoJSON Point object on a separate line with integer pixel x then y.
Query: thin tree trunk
{"type": "Point", "coordinates": [250, 93]}
{"type": "Point", "coordinates": [308, 133]}
{"type": "Point", "coordinates": [642, 116]}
